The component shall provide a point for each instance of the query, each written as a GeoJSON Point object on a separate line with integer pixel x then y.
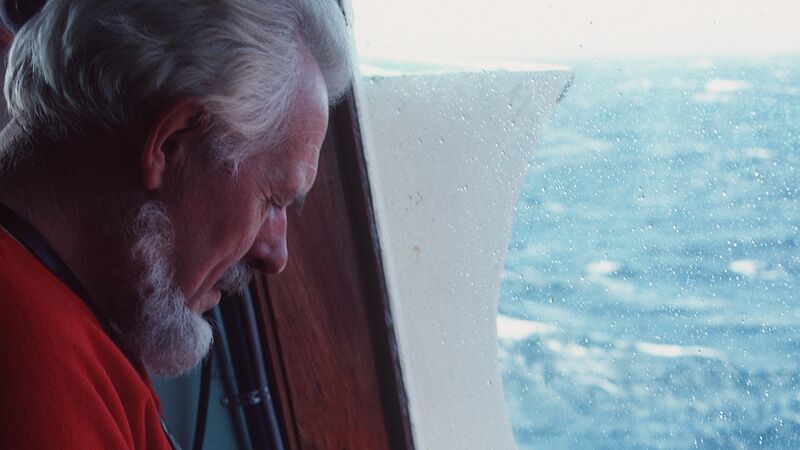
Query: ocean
{"type": "Point", "coordinates": [650, 295]}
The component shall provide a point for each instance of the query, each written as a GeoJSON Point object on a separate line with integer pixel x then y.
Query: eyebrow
{"type": "Point", "coordinates": [299, 201]}
{"type": "Point", "coordinates": [300, 198]}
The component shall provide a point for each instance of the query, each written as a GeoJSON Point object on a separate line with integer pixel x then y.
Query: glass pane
{"type": "Point", "coordinates": [650, 297]}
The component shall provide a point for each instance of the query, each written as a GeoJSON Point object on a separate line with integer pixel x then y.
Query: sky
{"type": "Point", "coordinates": [548, 31]}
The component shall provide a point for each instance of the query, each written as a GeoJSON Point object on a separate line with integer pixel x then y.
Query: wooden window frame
{"type": "Point", "coordinates": [326, 321]}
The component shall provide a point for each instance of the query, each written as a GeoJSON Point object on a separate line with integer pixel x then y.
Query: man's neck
{"type": "Point", "coordinates": [69, 214]}
{"type": "Point", "coordinates": [54, 215]}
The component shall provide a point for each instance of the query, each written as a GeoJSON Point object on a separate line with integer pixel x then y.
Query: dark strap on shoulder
{"type": "Point", "coordinates": [31, 239]}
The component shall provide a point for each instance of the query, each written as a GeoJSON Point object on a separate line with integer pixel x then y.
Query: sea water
{"type": "Point", "coordinates": [650, 296]}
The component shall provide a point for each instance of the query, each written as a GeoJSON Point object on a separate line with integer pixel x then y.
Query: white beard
{"type": "Point", "coordinates": [169, 337]}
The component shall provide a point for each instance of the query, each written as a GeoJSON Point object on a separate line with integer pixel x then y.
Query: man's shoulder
{"type": "Point", "coordinates": [45, 324]}
{"type": "Point", "coordinates": [58, 363]}
{"type": "Point", "coordinates": [40, 316]}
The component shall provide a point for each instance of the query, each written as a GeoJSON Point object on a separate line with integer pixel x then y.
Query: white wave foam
{"type": "Point", "coordinates": [599, 271]}
{"type": "Point", "coordinates": [696, 303]}
{"type": "Point", "coordinates": [758, 153]}
{"type": "Point", "coordinates": [677, 351]}
{"type": "Point", "coordinates": [755, 269]}
{"type": "Point", "coordinates": [510, 328]}
{"type": "Point", "coordinates": [745, 267]}
{"type": "Point", "coordinates": [602, 267]}
{"type": "Point", "coordinates": [565, 142]}
{"type": "Point", "coordinates": [718, 85]}
{"type": "Point", "coordinates": [621, 289]}
{"type": "Point", "coordinates": [720, 90]}
{"type": "Point", "coordinates": [601, 383]}
{"type": "Point", "coordinates": [553, 207]}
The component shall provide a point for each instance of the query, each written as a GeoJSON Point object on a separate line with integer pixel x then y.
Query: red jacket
{"type": "Point", "coordinates": [64, 384]}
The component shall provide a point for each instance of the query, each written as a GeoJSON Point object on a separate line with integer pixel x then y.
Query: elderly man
{"type": "Point", "coordinates": [152, 151]}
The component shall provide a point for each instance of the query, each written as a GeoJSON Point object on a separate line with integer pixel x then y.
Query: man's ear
{"type": "Point", "coordinates": [166, 140]}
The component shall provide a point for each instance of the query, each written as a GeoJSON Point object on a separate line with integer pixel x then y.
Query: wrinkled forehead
{"type": "Point", "coordinates": [307, 122]}
{"type": "Point", "coordinates": [310, 105]}
{"type": "Point", "coordinates": [292, 166]}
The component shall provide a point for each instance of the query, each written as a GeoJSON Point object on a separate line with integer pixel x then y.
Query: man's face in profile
{"type": "Point", "coordinates": [208, 232]}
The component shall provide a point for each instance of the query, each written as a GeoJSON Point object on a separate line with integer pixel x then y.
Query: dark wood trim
{"type": "Point", "coordinates": [387, 358]}
{"type": "Point", "coordinates": [327, 322]}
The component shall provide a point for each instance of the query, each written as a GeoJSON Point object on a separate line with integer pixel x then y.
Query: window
{"type": "Point", "coordinates": [648, 296]}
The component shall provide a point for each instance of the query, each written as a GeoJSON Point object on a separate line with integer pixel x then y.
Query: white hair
{"type": "Point", "coordinates": [81, 67]}
{"type": "Point", "coordinates": [169, 337]}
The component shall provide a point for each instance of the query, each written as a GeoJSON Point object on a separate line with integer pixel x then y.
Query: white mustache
{"type": "Point", "coordinates": [235, 279]}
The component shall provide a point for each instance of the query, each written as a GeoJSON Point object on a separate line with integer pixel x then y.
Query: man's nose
{"type": "Point", "coordinates": [268, 252]}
